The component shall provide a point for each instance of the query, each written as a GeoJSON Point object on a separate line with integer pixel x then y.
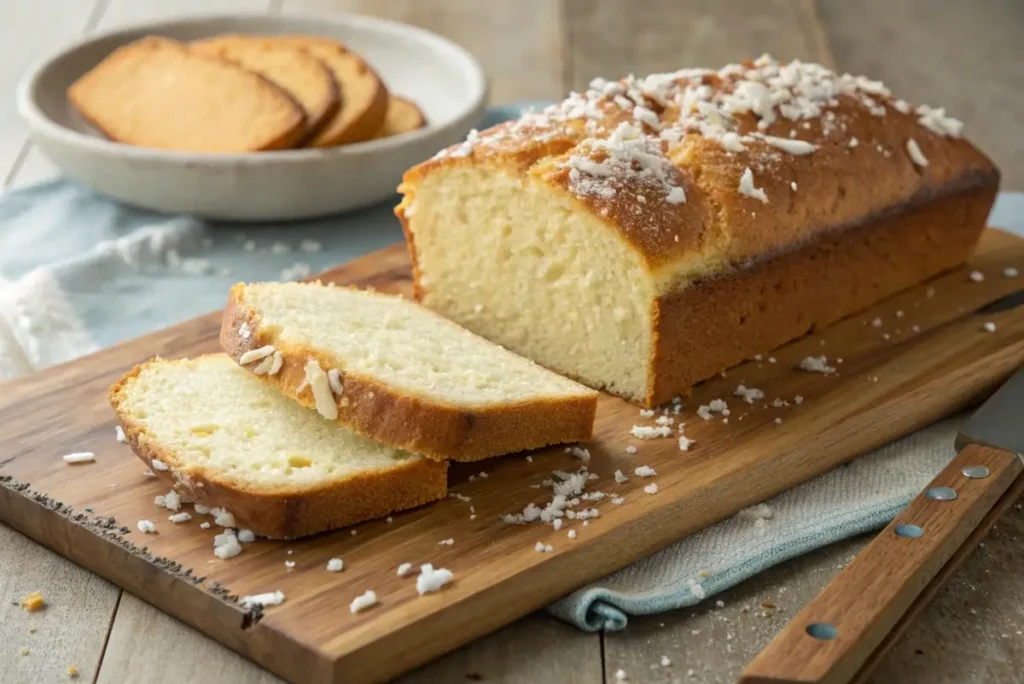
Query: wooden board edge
{"type": "Point", "coordinates": [210, 609]}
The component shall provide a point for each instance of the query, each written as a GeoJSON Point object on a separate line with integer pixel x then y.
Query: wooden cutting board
{"type": "Point", "coordinates": [928, 357]}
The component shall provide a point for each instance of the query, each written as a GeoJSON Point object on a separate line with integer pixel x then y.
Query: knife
{"type": "Point", "coordinates": [843, 632]}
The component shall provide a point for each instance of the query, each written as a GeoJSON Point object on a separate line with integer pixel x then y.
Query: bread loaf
{"type": "Point", "coordinates": [399, 374]}
{"type": "Point", "coordinates": [650, 232]}
{"type": "Point", "coordinates": [225, 439]}
{"type": "Point", "coordinates": [156, 93]}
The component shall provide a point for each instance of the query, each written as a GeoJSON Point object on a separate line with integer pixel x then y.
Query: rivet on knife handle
{"type": "Point", "coordinates": [832, 637]}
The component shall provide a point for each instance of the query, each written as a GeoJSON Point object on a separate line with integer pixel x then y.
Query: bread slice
{"type": "Point", "coordinates": [226, 439]}
{"type": "Point", "coordinates": [364, 99]}
{"type": "Point", "coordinates": [155, 93]}
{"type": "Point", "coordinates": [403, 116]}
{"type": "Point", "coordinates": [301, 74]}
{"type": "Point", "coordinates": [400, 374]}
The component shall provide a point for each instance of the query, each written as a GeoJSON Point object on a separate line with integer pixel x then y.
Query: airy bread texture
{"type": "Point", "coordinates": [636, 236]}
{"type": "Point", "coordinates": [402, 375]}
{"type": "Point", "coordinates": [296, 71]}
{"type": "Point", "coordinates": [403, 116]}
{"type": "Point", "coordinates": [154, 92]}
{"type": "Point", "coordinates": [226, 439]}
{"type": "Point", "coordinates": [364, 99]}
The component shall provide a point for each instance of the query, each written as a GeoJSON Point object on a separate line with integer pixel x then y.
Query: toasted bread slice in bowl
{"type": "Point", "coordinates": [442, 78]}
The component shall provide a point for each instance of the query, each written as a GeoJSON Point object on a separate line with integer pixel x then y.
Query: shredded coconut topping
{"type": "Point", "coordinates": [256, 354]}
{"type": "Point", "coordinates": [916, 155]}
{"type": "Point", "coordinates": [326, 405]}
{"type": "Point", "coordinates": [734, 106]}
{"type": "Point", "coordinates": [747, 186]}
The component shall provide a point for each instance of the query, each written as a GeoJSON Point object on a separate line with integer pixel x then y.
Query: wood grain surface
{"type": "Point", "coordinates": [884, 388]}
{"type": "Point", "coordinates": [964, 55]}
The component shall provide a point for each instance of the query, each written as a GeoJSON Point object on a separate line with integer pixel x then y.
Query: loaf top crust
{"type": "Point", "coordinates": [699, 170]}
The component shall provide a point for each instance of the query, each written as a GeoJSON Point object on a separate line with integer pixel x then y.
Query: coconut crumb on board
{"type": "Point", "coordinates": [365, 600]}
{"type": "Point", "coordinates": [542, 547]}
{"type": "Point", "coordinates": [335, 565]}
{"type": "Point", "coordinates": [146, 526]}
{"type": "Point", "coordinates": [157, 464]}
{"type": "Point", "coordinates": [404, 569]}
{"type": "Point", "coordinates": [225, 545]}
{"type": "Point", "coordinates": [649, 432]}
{"type": "Point", "coordinates": [247, 536]}
{"type": "Point", "coordinates": [651, 488]}
{"type": "Point", "coordinates": [645, 471]}
{"type": "Point", "coordinates": [977, 276]}
{"type": "Point", "coordinates": [273, 598]}
{"type": "Point", "coordinates": [176, 518]}
{"type": "Point", "coordinates": [816, 364]}
{"type": "Point", "coordinates": [222, 517]}
{"type": "Point", "coordinates": [432, 579]}
{"type": "Point", "coordinates": [446, 542]}
{"type": "Point", "coordinates": [748, 394]}
{"type": "Point", "coordinates": [80, 457]}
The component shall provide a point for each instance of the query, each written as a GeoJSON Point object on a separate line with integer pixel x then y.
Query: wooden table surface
{"type": "Point", "coordinates": [965, 56]}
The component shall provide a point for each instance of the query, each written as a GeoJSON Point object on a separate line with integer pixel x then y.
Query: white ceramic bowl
{"type": "Point", "coordinates": [442, 78]}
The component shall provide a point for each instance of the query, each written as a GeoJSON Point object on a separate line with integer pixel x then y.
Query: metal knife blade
{"type": "Point", "coordinates": [999, 423]}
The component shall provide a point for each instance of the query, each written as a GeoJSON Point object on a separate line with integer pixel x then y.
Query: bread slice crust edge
{"type": "Point", "coordinates": [425, 426]}
{"type": "Point", "coordinates": [286, 513]}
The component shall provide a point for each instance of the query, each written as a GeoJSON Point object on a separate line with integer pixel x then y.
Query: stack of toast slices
{"type": "Point", "coordinates": [240, 93]}
{"type": "Point", "coordinates": [333, 405]}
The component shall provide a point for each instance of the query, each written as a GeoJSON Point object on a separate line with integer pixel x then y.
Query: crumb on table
{"type": "Point", "coordinates": [33, 602]}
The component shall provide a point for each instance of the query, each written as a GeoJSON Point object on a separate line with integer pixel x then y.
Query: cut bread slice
{"type": "Point", "coordinates": [225, 439]}
{"type": "Point", "coordinates": [156, 93]}
{"type": "Point", "coordinates": [301, 74]}
{"type": "Point", "coordinates": [364, 99]}
{"type": "Point", "coordinates": [403, 116]}
{"type": "Point", "coordinates": [400, 374]}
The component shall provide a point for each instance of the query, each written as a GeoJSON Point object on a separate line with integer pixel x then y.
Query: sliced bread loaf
{"type": "Point", "coordinates": [400, 374]}
{"type": "Point", "coordinates": [226, 439]}
{"type": "Point", "coordinates": [301, 74]}
{"type": "Point", "coordinates": [156, 93]}
{"type": "Point", "coordinates": [403, 116]}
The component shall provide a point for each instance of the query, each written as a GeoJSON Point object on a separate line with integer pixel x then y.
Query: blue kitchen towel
{"type": "Point", "coordinates": [79, 272]}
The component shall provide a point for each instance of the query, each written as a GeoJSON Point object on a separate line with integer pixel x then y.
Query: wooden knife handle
{"type": "Point", "coordinates": [836, 633]}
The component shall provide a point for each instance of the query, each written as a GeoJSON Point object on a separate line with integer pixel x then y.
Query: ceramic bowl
{"type": "Point", "coordinates": [443, 79]}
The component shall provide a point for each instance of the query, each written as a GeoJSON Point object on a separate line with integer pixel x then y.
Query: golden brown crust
{"type": "Point", "coordinates": [721, 321]}
{"type": "Point", "coordinates": [860, 167]}
{"type": "Point", "coordinates": [288, 514]}
{"type": "Point", "coordinates": [403, 115]}
{"type": "Point", "coordinates": [101, 94]}
{"type": "Point", "coordinates": [424, 426]}
{"type": "Point", "coordinates": [307, 79]}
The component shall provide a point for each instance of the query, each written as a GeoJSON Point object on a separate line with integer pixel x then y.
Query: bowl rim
{"type": "Point", "coordinates": [39, 122]}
